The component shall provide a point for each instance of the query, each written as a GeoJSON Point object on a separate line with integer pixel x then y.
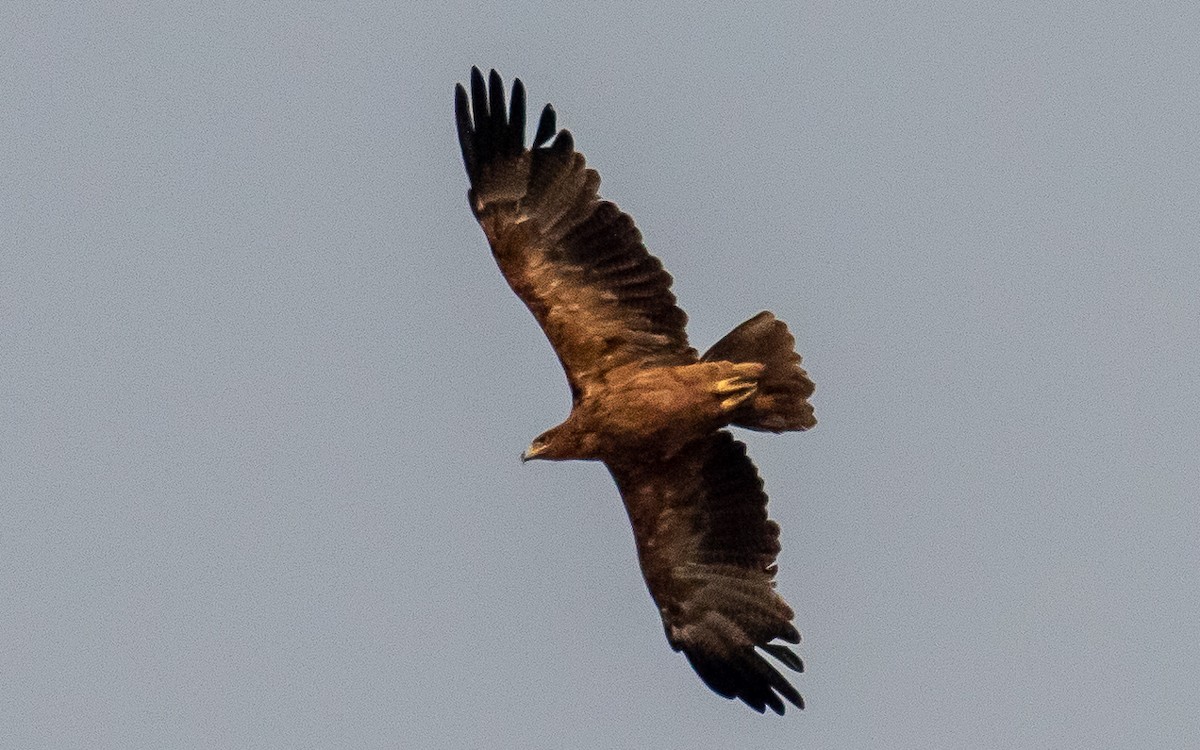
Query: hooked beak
{"type": "Point", "coordinates": [529, 454]}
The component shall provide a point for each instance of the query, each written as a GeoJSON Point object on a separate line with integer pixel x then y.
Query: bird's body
{"type": "Point", "coordinates": [640, 412]}
{"type": "Point", "coordinates": [644, 402]}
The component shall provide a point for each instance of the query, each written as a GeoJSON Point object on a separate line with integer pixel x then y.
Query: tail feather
{"type": "Point", "coordinates": [781, 401]}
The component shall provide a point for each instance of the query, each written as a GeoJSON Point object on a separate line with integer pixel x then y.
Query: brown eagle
{"type": "Point", "coordinates": [644, 402]}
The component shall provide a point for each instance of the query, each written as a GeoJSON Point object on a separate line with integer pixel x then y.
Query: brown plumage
{"type": "Point", "coordinates": [644, 403]}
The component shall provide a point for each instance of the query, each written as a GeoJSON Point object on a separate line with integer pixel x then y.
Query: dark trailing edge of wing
{"type": "Point", "coordinates": [708, 551]}
{"type": "Point", "coordinates": [734, 505]}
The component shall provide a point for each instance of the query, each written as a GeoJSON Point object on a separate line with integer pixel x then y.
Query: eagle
{"type": "Point", "coordinates": [644, 402]}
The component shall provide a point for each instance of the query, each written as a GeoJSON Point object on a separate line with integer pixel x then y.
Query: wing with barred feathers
{"type": "Point", "coordinates": [575, 260]}
{"type": "Point", "coordinates": [707, 551]}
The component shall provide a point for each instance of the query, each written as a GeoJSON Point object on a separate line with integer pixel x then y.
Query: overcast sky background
{"type": "Point", "coordinates": [263, 389]}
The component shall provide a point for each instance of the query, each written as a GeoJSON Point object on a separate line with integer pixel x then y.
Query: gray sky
{"type": "Point", "coordinates": [262, 388]}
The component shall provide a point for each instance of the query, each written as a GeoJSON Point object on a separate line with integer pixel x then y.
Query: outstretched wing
{"type": "Point", "coordinates": [576, 261]}
{"type": "Point", "coordinates": [707, 551]}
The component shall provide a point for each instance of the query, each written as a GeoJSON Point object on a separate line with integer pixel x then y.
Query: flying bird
{"type": "Point", "coordinates": [644, 402]}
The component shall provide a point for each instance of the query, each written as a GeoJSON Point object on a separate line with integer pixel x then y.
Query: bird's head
{"type": "Point", "coordinates": [561, 443]}
{"type": "Point", "coordinates": [544, 446]}
{"type": "Point", "coordinates": [536, 449]}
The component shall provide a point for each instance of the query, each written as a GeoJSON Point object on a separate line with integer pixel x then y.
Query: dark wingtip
{"type": "Point", "coordinates": [545, 128]}
{"type": "Point", "coordinates": [496, 108]}
{"type": "Point", "coordinates": [785, 655]}
{"type": "Point", "coordinates": [564, 143]}
{"type": "Point", "coordinates": [479, 111]}
{"type": "Point", "coordinates": [462, 118]}
{"type": "Point", "coordinates": [790, 634]}
{"type": "Point", "coordinates": [748, 678]}
{"type": "Point", "coordinates": [516, 118]}
{"type": "Point", "coordinates": [478, 94]}
{"type": "Point", "coordinates": [488, 125]}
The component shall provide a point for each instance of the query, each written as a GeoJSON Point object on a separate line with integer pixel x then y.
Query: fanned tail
{"type": "Point", "coordinates": [780, 403]}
